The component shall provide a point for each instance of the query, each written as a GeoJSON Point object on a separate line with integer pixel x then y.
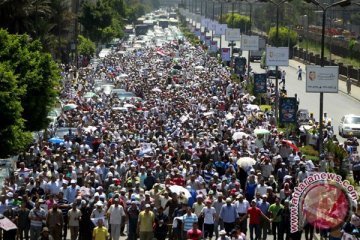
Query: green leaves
{"type": "Point", "coordinates": [286, 36]}
{"type": "Point", "coordinates": [29, 79]}
{"type": "Point", "coordinates": [86, 47]}
{"type": "Point", "coordinates": [237, 21]}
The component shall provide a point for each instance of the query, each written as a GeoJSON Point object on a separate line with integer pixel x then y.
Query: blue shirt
{"type": "Point", "coordinates": [228, 213]}
{"type": "Point", "coordinates": [188, 221]}
{"type": "Point", "coordinates": [263, 206]}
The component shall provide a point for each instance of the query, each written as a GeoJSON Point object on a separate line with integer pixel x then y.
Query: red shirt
{"type": "Point", "coordinates": [255, 215]}
{"type": "Point", "coordinates": [194, 234]}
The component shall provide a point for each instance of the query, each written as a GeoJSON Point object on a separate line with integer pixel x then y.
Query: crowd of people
{"type": "Point", "coordinates": [164, 164]}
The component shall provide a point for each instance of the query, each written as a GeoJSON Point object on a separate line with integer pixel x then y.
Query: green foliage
{"type": "Point", "coordinates": [37, 74]}
{"type": "Point", "coordinates": [286, 36]}
{"type": "Point", "coordinates": [309, 151]}
{"type": "Point", "coordinates": [85, 46]}
{"type": "Point", "coordinates": [352, 44]}
{"type": "Point", "coordinates": [355, 18]}
{"type": "Point", "coordinates": [13, 138]}
{"type": "Point", "coordinates": [237, 21]}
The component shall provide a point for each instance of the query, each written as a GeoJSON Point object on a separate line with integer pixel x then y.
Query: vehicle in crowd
{"type": "Point", "coordinates": [256, 55]}
{"type": "Point", "coordinates": [349, 125]}
{"type": "Point", "coordinates": [271, 72]}
{"type": "Point", "coordinates": [62, 131]}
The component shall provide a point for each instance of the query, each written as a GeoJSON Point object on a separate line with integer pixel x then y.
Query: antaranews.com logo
{"type": "Point", "coordinates": [323, 200]}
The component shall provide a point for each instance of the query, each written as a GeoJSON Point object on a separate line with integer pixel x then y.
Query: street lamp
{"type": "Point", "coordinates": [324, 8]}
{"type": "Point", "coordinates": [277, 5]}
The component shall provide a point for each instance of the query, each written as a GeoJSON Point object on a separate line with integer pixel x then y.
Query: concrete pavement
{"type": "Point", "coordinates": [355, 90]}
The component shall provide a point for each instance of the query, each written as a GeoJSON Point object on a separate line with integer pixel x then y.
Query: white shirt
{"type": "Point", "coordinates": [242, 207]}
{"type": "Point", "coordinates": [261, 189]}
{"type": "Point", "coordinates": [209, 214]}
{"type": "Point", "coordinates": [116, 213]}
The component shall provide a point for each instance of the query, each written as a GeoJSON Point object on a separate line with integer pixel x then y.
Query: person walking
{"type": "Point", "coordinates": [45, 234]}
{"type": "Point", "coordinates": [283, 74]}
{"type": "Point", "coordinates": [229, 216]}
{"type": "Point", "coordinates": [115, 214]}
{"type": "Point", "coordinates": [299, 73]}
{"type": "Point", "coordinates": [275, 212]}
{"type": "Point", "coordinates": [100, 232]}
{"type": "Point", "coordinates": [37, 215]}
{"type": "Point", "coordinates": [133, 216]}
{"type": "Point", "coordinates": [348, 85]}
{"type": "Point", "coordinates": [187, 221]}
{"type": "Point", "coordinates": [23, 222]}
{"type": "Point", "coordinates": [55, 221]}
{"type": "Point", "coordinates": [209, 215]}
{"type": "Point", "coordinates": [255, 214]}
{"type": "Point", "coordinates": [264, 205]}
{"type": "Point", "coordinates": [74, 216]}
{"type": "Point", "coordinates": [145, 223]}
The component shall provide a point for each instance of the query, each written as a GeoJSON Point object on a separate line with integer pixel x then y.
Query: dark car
{"type": "Point", "coordinates": [271, 72]}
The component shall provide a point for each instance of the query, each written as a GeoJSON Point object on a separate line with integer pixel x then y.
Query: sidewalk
{"type": "Point", "coordinates": [355, 90]}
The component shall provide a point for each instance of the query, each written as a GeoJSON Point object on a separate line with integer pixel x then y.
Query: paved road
{"type": "Point", "coordinates": [336, 105]}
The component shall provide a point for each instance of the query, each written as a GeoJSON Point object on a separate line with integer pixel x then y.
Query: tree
{"type": "Point", "coordinates": [37, 74]}
{"type": "Point", "coordinates": [355, 18]}
{"type": "Point", "coordinates": [13, 138]}
{"type": "Point", "coordinates": [86, 47]}
{"type": "Point", "coordinates": [100, 22]}
{"type": "Point", "coordinates": [237, 21]}
{"type": "Point", "coordinates": [286, 36]}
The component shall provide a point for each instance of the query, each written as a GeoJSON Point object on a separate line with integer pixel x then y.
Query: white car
{"type": "Point", "coordinates": [349, 125]}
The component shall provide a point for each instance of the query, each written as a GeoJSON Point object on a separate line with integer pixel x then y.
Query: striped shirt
{"type": "Point", "coordinates": [37, 213]}
{"type": "Point", "coordinates": [188, 221]}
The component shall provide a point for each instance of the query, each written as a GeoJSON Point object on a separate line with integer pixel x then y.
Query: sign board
{"type": "Point", "coordinates": [205, 22]}
{"type": "Point", "coordinates": [277, 56]}
{"type": "Point", "coordinates": [225, 54]}
{"type": "Point", "coordinates": [287, 110]}
{"type": "Point", "coordinates": [208, 40]}
{"type": "Point", "coordinates": [260, 83]}
{"type": "Point", "coordinates": [213, 47]}
{"type": "Point", "coordinates": [322, 79]}
{"type": "Point", "coordinates": [323, 200]}
{"type": "Point", "coordinates": [202, 37]}
{"type": "Point", "coordinates": [213, 25]}
{"type": "Point", "coordinates": [197, 32]}
{"type": "Point", "coordinates": [249, 43]}
{"type": "Point", "coordinates": [220, 29]}
{"type": "Point", "coordinates": [232, 34]}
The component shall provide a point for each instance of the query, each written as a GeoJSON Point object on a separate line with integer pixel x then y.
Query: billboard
{"type": "Point", "coordinates": [322, 79]}
{"type": "Point", "coordinates": [225, 54]}
{"type": "Point", "coordinates": [249, 43]}
{"type": "Point", "coordinates": [232, 34]}
{"type": "Point", "coordinates": [277, 56]}
{"type": "Point", "coordinates": [260, 83]}
{"type": "Point", "coordinates": [213, 47]}
{"type": "Point", "coordinates": [220, 29]}
{"type": "Point", "coordinates": [208, 41]}
{"type": "Point", "coordinates": [287, 110]}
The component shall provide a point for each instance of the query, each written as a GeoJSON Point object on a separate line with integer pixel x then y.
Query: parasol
{"type": "Point", "coordinates": [179, 189]}
{"type": "Point", "coordinates": [291, 145]}
{"type": "Point", "coordinates": [239, 135]}
{"type": "Point", "coordinates": [261, 131]}
{"type": "Point", "coordinates": [69, 107]}
{"type": "Point", "coordinates": [56, 140]}
{"type": "Point", "coordinates": [245, 162]}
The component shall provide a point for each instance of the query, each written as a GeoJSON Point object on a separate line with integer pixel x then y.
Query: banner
{"type": "Point", "coordinates": [225, 54]}
{"type": "Point", "coordinates": [213, 47]}
{"type": "Point", "coordinates": [277, 56]}
{"type": "Point", "coordinates": [287, 110]}
{"type": "Point", "coordinates": [208, 41]}
{"type": "Point", "coordinates": [202, 36]}
{"type": "Point", "coordinates": [240, 63]}
{"type": "Point", "coordinates": [323, 200]}
{"type": "Point", "coordinates": [197, 32]}
{"type": "Point", "coordinates": [322, 79]}
{"type": "Point", "coordinates": [220, 29]}
{"type": "Point", "coordinates": [232, 34]}
{"type": "Point", "coordinates": [249, 43]}
{"type": "Point", "coordinates": [260, 83]}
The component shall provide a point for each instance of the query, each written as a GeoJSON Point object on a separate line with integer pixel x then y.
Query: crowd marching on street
{"type": "Point", "coordinates": [189, 156]}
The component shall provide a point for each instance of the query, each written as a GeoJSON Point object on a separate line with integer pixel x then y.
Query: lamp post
{"type": "Point", "coordinates": [324, 8]}
{"type": "Point", "coordinates": [277, 5]}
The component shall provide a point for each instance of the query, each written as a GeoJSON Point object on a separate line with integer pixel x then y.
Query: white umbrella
{"type": "Point", "coordinates": [208, 113]}
{"type": "Point", "coordinates": [69, 107]}
{"type": "Point", "coordinates": [158, 90]}
{"type": "Point", "coordinates": [239, 135]}
{"type": "Point", "coordinates": [245, 162]}
{"type": "Point", "coordinates": [90, 129]}
{"type": "Point", "coordinates": [127, 105]}
{"type": "Point", "coordinates": [179, 189]}
{"type": "Point", "coordinates": [199, 67]}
